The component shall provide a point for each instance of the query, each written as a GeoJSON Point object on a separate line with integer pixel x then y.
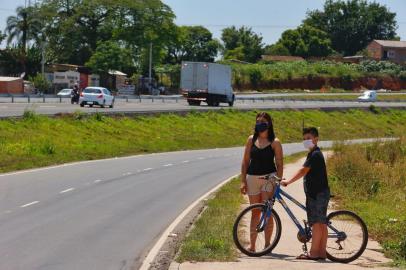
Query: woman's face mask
{"type": "Point", "coordinates": [261, 127]}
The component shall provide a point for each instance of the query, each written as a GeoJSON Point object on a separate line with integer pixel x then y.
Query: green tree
{"type": "Point", "coordinates": [110, 55]}
{"type": "Point", "coordinates": [41, 83]}
{"type": "Point", "coordinates": [276, 49]}
{"type": "Point", "coordinates": [2, 37]}
{"type": "Point", "coordinates": [193, 43]}
{"type": "Point", "coordinates": [304, 41]}
{"type": "Point", "coordinates": [242, 44]}
{"type": "Point", "coordinates": [352, 24]}
{"type": "Point", "coordinates": [22, 28]}
{"type": "Point", "coordinates": [75, 27]}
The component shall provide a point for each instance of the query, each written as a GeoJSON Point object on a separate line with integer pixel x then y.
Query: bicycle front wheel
{"type": "Point", "coordinates": [254, 233]}
{"type": "Point", "coordinates": [347, 236]}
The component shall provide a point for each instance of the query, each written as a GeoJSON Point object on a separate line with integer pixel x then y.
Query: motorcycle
{"type": "Point", "coordinates": [74, 97]}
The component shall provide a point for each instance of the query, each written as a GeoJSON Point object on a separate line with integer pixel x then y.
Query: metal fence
{"type": "Point", "coordinates": [25, 98]}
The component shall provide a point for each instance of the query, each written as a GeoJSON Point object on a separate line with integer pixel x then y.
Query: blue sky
{"type": "Point", "coordinates": [268, 17]}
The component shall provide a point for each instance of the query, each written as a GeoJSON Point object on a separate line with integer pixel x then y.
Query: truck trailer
{"type": "Point", "coordinates": [206, 82]}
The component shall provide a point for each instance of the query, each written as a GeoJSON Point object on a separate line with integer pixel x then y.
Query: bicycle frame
{"type": "Point", "coordinates": [278, 195]}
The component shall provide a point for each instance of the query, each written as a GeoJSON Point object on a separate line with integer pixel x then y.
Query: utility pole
{"type": "Point", "coordinates": [150, 68]}
{"type": "Point", "coordinates": [43, 59]}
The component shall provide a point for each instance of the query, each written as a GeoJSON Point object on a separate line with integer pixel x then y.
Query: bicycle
{"type": "Point", "coordinates": [347, 232]}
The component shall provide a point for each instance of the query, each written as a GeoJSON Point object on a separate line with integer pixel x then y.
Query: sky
{"type": "Point", "coordinates": [267, 17]}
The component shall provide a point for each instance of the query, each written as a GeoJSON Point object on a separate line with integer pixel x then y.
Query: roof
{"type": "Point", "coordinates": [391, 43]}
{"type": "Point", "coordinates": [117, 73]}
{"type": "Point", "coordinates": [9, 79]}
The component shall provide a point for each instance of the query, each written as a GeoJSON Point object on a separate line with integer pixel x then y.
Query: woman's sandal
{"type": "Point", "coordinates": [306, 257]}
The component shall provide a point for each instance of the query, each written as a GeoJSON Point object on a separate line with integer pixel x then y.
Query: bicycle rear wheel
{"type": "Point", "coordinates": [347, 236]}
{"type": "Point", "coordinates": [249, 227]}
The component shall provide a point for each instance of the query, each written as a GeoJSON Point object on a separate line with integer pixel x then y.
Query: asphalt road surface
{"type": "Point", "coordinates": [148, 106]}
{"type": "Point", "coordinates": [103, 214]}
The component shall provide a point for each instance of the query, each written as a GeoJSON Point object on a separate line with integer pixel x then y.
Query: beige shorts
{"type": "Point", "coordinates": [255, 185]}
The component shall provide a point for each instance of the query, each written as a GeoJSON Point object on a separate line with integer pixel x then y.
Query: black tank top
{"type": "Point", "coordinates": [262, 160]}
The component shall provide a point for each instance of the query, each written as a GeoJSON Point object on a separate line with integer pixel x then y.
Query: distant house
{"type": "Point", "coordinates": [11, 85]}
{"type": "Point", "coordinates": [390, 50]}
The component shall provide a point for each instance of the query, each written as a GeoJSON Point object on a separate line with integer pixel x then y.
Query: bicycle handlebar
{"type": "Point", "coordinates": [272, 177]}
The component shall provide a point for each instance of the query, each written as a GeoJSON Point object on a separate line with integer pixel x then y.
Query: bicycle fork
{"type": "Point", "coordinates": [265, 216]}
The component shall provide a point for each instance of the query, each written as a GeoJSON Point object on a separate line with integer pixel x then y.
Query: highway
{"type": "Point", "coordinates": [103, 214]}
{"type": "Point", "coordinates": [173, 105]}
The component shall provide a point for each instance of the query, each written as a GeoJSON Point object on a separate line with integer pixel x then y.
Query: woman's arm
{"type": "Point", "coordinates": [277, 148]}
{"type": "Point", "coordinates": [244, 165]}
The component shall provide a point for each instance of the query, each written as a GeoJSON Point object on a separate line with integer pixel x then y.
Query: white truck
{"type": "Point", "coordinates": [207, 82]}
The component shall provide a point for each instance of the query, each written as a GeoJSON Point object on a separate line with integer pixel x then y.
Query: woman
{"type": "Point", "coordinates": [263, 155]}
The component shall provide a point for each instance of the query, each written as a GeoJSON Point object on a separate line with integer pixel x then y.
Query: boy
{"type": "Point", "coordinates": [317, 194]}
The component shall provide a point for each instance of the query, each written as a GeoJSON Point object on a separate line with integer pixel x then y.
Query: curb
{"type": "Point", "coordinates": [152, 253]}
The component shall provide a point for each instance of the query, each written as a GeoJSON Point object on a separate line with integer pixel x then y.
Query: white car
{"type": "Point", "coordinates": [99, 96]}
{"type": "Point", "coordinates": [65, 93]}
{"type": "Point", "coordinates": [368, 96]}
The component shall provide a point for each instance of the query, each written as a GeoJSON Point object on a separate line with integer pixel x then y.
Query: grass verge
{"type": "Point", "coordinates": [210, 238]}
{"type": "Point", "coordinates": [371, 180]}
{"type": "Point", "coordinates": [36, 141]}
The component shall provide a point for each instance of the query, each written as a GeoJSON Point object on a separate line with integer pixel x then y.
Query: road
{"type": "Point", "coordinates": [103, 214]}
{"type": "Point", "coordinates": [149, 106]}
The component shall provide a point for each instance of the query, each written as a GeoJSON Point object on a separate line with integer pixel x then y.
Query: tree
{"type": "Point", "coordinates": [22, 28]}
{"type": "Point", "coordinates": [304, 41]}
{"type": "Point", "coordinates": [353, 24]}
{"type": "Point", "coordinates": [110, 56]}
{"type": "Point", "coordinates": [242, 43]}
{"type": "Point", "coordinates": [75, 28]}
{"type": "Point", "coordinates": [2, 37]}
{"type": "Point", "coordinates": [193, 43]}
{"type": "Point", "coordinates": [276, 49]}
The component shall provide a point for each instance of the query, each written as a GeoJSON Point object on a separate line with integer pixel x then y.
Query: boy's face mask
{"type": "Point", "coordinates": [308, 144]}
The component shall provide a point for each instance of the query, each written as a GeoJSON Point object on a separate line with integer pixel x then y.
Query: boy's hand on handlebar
{"type": "Point", "coordinates": [285, 182]}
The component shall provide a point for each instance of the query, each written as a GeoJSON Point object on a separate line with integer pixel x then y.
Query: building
{"type": "Point", "coordinates": [389, 50]}
{"type": "Point", "coordinates": [11, 85]}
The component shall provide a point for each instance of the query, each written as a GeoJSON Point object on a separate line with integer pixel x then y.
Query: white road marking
{"type": "Point", "coordinates": [66, 190]}
{"type": "Point", "coordinates": [8, 212]}
{"type": "Point", "coordinates": [185, 161]}
{"type": "Point", "coordinates": [168, 165]}
{"type": "Point", "coordinates": [201, 158]}
{"type": "Point", "coordinates": [29, 204]}
{"type": "Point", "coordinates": [147, 169]}
{"type": "Point", "coordinates": [47, 106]}
{"type": "Point", "coordinates": [97, 181]}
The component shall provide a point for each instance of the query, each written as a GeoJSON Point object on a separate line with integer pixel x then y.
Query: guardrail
{"type": "Point", "coordinates": [14, 98]}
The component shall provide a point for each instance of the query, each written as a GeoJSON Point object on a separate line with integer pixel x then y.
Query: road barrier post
{"type": "Point", "coordinates": [29, 99]}
{"type": "Point", "coordinates": [43, 99]}
{"type": "Point", "coordinates": [12, 99]}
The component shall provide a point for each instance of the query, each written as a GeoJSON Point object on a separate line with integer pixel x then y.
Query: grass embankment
{"type": "Point", "coordinates": [40, 141]}
{"type": "Point", "coordinates": [269, 74]}
{"type": "Point", "coordinates": [210, 238]}
{"type": "Point", "coordinates": [371, 180]}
